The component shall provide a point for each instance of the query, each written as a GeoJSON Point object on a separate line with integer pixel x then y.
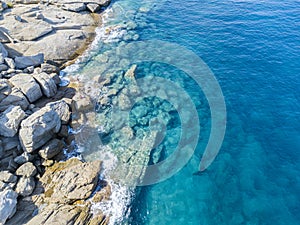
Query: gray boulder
{"type": "Point", "coordinates": [38, 128]}
{"type": "Point", "coordinates": [7, 177]}
{"type": "Point", "coordinates": [62, 109]}
{"type": "Point", "coordinates": [10, 120]}
{"type": "Point", "coordinates": [48, 68]}
{"type": "Point", "coordinates": [47, 84]}
{"type": "Point", "coordinates": [8, 205]}
{"type": "Point", "coordinates": [16, 97]}
{"type": "Point", "coordinates": [27, 170]}
{"type": "Point", "coordinates": [5, 89]}
{"type": "Point", "coordinates": [25, 186]}
{"type": "Point", "coordinates": [26, 61]}
{"type": "Point", "coordinates": [27, 85]}
{"type": "Point", "coordinates": [51, 149]}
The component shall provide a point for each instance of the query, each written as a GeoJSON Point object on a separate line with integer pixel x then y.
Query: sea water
{"type": "Point", "coordinates": [253, 50]}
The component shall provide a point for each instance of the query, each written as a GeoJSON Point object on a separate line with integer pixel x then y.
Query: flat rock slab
{"type": "Point", "coordinates": [23, 62]}
{"type": "Point", "coordinates": [28, 29]}
{"type": "Point", "coordinates": [69, 181]}
{"type": "Point", "coordinates": [27, 84]}
{"type": "Point", "coordinates": [50, 29]}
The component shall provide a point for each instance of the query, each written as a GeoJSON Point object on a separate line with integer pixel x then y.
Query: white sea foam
{"type": "Point", "coordinates": [118, 206]}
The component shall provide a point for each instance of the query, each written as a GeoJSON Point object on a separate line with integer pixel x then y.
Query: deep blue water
{"type": "Point", "coordinates": [253, 49]}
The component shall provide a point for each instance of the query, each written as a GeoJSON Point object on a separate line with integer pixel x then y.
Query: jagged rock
{"type": "Point", "coordinates": [7, 177]}
{"type": "Point", "coordinates": [38, 128]}
{"type": "Point", "coordinates": [25, 186]}
{"type": "Point", "coordinates": [93, 7]}
{"type": "Point", "coordinates": [27, 85]}
{"type": "Point", "coordinates": [5, 89]}
{"type": "Point", "coordinates": [8, 204]}
{"type": "Point", "coordinates": [48, 68]}
{"type": "Point", "coordinates": [69, 181]}
{"type": "Point", "coordinates": [74, 7]}
{"type": "Point", "coordinates": [27, 170]}
{"type": "Point", "coordinates": [26, 61]}
{"type": "Point", "coordinates": [10, 62]}
{"type": "Point", "coordinates": [10, 120]}
{"type": "Point", "coordinates": [56, 78]}
{"type": "Point", "coordinates": [48, 85]}
{"type": "Point", "coordinates": [25, 157]}
{"type": "Point", "coordinates": [51, 149]}
{"type": "Point", "coordinates": [62, 109]}
{"type": "Point", "coordinates": [16, 97]}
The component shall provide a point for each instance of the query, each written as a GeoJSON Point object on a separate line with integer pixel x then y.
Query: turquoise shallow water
{"type": "Point", "coordinates": [253, 49]}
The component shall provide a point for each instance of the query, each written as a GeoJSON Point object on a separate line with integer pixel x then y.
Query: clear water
{"type": "Point", "coordinates": [253, 49]}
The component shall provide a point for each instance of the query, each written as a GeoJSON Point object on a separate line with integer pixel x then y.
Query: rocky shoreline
{"type": "Point", "coordinates": [38, 184]}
